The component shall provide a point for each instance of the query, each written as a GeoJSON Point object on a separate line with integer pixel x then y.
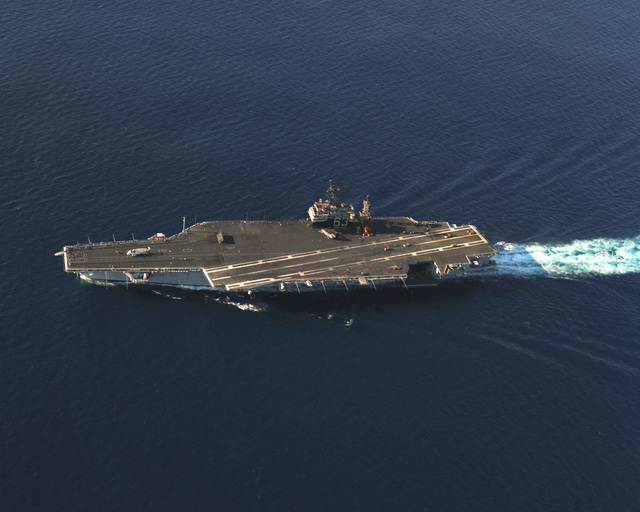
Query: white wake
{"type": "Point", "coordinates": [581, 258]}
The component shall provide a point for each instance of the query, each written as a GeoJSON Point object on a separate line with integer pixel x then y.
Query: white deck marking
{"type": "Point", "coordinates": [332, 267]}
{"type": "Point", "coordinates": [306, 254]}
{"type": "Point", "coordinates": [355, 263]}
{"type": "Point", "coordinates": [271, 269]}
{"type": "Point", "coordinates": [277, 259]}
{"type": "Point", "coordinates": [208, 278]}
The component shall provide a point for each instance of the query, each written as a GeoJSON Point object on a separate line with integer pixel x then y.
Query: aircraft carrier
{"type": "Point", "coordinates": [335, 248]}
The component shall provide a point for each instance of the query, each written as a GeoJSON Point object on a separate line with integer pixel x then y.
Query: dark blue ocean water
{"type": "Point", "coordinates": [518, 391]}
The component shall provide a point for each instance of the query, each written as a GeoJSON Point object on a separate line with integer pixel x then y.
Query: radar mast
{"type": "Point", "coordinates": [365, 208]}
{"type": "Point", "coordinates": [332, 195]}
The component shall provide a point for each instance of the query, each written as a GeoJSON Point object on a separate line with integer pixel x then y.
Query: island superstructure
{"type": "Point", "coordinates": [336, 248]}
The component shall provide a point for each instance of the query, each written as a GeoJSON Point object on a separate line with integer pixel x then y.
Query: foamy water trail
{"type": "Point", "coordinates": [244, 305]}
{"type": "Point", "coordinates": [581, 258]}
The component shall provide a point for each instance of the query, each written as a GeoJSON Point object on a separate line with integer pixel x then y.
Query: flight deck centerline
{"type": "Point", "coordinates": [335, 248]}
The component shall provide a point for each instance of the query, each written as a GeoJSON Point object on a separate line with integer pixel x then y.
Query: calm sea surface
{"type": "Point", "coordinates": [515, 391]}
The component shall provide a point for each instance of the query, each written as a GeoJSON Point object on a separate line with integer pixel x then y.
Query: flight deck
{"type": "Point", "coordinates": [287, 256]}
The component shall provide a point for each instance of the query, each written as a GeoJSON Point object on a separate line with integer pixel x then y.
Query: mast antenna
{"type": "Point", "coordinates": [332, 195]}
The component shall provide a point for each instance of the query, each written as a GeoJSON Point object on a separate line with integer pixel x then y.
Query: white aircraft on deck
{"type": "Point", "coordinates": [139, 252]}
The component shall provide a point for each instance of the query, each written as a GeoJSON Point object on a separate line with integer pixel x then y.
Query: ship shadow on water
{"type": "Point", "coordinates": [340, 304]}
{"type": "Point", "coordinates": [313, 302]}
